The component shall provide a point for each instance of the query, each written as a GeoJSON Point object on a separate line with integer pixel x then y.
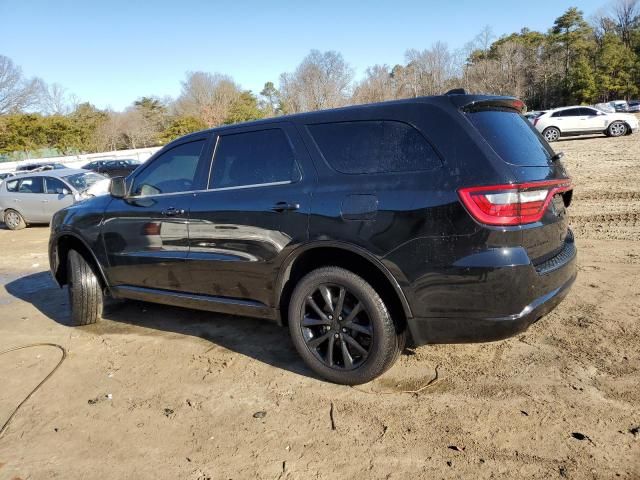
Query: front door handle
{"type": "Point", "coordinates": [172, 212]}
{"type": "Point", "coordinates": [285, 207]}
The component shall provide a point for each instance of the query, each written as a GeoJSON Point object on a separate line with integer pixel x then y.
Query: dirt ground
{"type": "Point", "coordinates": [159, 392]}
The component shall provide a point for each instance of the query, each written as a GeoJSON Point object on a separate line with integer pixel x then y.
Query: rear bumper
{"type": "Point", "coordinates": [537, 290]}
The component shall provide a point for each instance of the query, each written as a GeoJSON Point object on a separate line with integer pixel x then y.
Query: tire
{"type": "Point", "coordinates": [551, 134]}
{"type": "Point", "coordinates": [85, 292]}
{"type": "Point", "coordinates": [315, 331]}
{"type": "Point", "coordinates": [617, 129]}
{"type": "Point", "coordinates": [13, 220]}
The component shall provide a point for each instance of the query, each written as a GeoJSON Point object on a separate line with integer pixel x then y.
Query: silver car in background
{"type": "Point", "coordinates": [35, 197]}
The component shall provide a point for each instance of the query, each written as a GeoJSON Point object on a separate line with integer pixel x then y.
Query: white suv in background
{"type": "Point", "coordinates": [569, 121]}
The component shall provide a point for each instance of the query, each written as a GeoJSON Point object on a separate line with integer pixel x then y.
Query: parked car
{"type": "Point", "coordinates": [440, 218]}
{"type": "Point", "coordinates": [40, 166]}
{"type": "Point", "coordinates": [620, 105]}
{"type": "Point", "coordinates": [531, 116]}
{"type": "Point", "coordinates": [113, 168]}
{"type": "Point", "coordinates": [634, 106]}
{"type": "Point", "coordinates": [35, 197]}
{"type": "Point", "coordinates": [577, 120]}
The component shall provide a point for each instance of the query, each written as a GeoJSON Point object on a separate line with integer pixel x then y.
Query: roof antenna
{"type": "Point", "coordinates": [456, 91]}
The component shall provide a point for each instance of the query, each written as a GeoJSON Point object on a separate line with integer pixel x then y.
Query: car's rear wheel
{"type": "Point", "coordinates": [617, 129]}
{"type": "Point", "coordinates": [551, 134]}
{"type": "Point", "coordinates": [341, 327]}
{"type": "Point", "coordinates": [85, 292]}
{"type": "Point", "coordinates": [13, 220]}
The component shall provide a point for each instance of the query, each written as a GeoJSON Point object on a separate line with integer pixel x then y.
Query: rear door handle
{"type": "Point", "coordinates": [172, 212]}
{"type": "Point", "coordinates": [285, 207]}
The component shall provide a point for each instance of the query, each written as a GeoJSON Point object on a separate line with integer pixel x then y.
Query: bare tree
{"type": "Point", "coordinates": [55, 100]}
{"type": "Point", "coordinates": [627, 16]}
{"type": "Point", "coordinates": [16, 92]}
{"type": "Point", "coordinates": [378, 85]}
{"type": "Point", "coordinates": [430, 71]}
{"type": "Point", "coordinates": [207, 96]}
{"type": "Point", "coordinates": [108, 135]}
{"type": "Point", "coordinates": [322, 80]}
{"type": "Point", "coordinates": [137, 130]}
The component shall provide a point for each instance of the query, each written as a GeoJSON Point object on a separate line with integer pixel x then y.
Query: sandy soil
{"type": "Point", "coordinates": [186, 386]}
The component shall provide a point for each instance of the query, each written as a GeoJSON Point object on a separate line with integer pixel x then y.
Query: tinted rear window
{"type": "Point", "coordinates": [512, 137]}
{"type": "Point", "coordinates": [253, 158]}
{"type": "Point", "coordinates": [374, 147]}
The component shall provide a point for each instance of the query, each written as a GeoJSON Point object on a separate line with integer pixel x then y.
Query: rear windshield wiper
{"type": "Point", "coordinates": [557, 156]}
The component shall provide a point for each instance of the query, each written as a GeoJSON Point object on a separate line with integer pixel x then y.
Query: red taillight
{"type": "Point", "coordinates": [513, 204]}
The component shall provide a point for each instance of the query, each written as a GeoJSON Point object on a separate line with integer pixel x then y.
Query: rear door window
{"type": "Point", "coordinates": [374, 147]}
{"type": "Point", "coordinates": [253, 158]}
{"type": "Point", "coordinates": [512, 137]}
{"type": "Point", "coordinates": [31, 185]}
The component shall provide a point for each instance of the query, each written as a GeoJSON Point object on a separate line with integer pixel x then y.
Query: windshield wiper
{"type": "Point", "coordinates": [557, 156]}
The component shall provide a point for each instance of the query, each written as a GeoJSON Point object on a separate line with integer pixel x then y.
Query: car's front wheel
{"type": "Point", "coordinates": [617, 129]}
{"type": "Point", "coordinates": [13, 220]}
{"type": "Point", "coordinates": [85, 292]}
{"type": "Point", "coordinates": [551, 134]}
{"type": "Point", "coordinates": [341, 327]}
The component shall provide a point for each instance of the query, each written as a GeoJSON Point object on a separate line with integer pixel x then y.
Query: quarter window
{"type": "Point", "coordinates": [173, 171]}
{"type": "Point", "coordinates": [253, 158]}
{"type": "Point", "coordinates": [374, 147]}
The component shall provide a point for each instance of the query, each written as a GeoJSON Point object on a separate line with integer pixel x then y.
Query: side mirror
{"type": "Point", "coordinates": [118, 187]}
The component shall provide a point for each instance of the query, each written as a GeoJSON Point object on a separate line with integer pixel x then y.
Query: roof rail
{"type": "Point", "coordinates": [456, 91]}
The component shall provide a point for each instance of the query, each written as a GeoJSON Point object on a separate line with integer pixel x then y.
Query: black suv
{"type": "Point", "coordinates": [439, 218]}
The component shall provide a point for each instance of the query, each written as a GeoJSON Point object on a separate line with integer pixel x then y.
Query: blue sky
{"type": "Point", "coordinates": [112, 52]}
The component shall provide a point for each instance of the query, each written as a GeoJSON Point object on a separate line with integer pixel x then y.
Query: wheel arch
{"type": "Point", "coordinates": [70, 241]}
{"type": "Point", "coordinates": [350, 257]}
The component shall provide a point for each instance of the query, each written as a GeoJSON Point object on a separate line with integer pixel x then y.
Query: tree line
{"type": "Point", "coordinates": [574, 62]}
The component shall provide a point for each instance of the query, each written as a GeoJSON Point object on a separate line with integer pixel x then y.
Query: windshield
{"type": "Point", "coordinates": [82, 181]}
{"type": "Point", "coordinates": [512, 137]}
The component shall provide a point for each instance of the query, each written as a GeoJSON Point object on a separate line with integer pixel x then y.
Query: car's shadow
{"type": "Point", "coordinates": [259, 339]}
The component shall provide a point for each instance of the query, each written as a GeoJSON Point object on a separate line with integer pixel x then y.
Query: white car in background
{"type": "Point", "coordinates": [578, 120]}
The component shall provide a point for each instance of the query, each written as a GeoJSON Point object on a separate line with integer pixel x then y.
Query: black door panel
{"type": "Point", "coordinates": [257, 211]}
{"type": "Point", "coordinates": [146, 234]}
{"type": "Point", "coordinates": [138, 234]}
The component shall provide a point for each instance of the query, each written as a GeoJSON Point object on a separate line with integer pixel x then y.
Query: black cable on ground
{"type": "Point", "coordinates": [64, 355]}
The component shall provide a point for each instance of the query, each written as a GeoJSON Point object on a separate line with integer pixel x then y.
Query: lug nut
{"type": "Point", "coordinates": [344, 330]}
{"type": "Point", "coordinates": [336, 335]}
{"type": "Point", "coordinates": [330, 317]}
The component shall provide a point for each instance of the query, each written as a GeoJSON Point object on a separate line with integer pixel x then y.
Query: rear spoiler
{"type": "Point", "coordinates": [474, 103]}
